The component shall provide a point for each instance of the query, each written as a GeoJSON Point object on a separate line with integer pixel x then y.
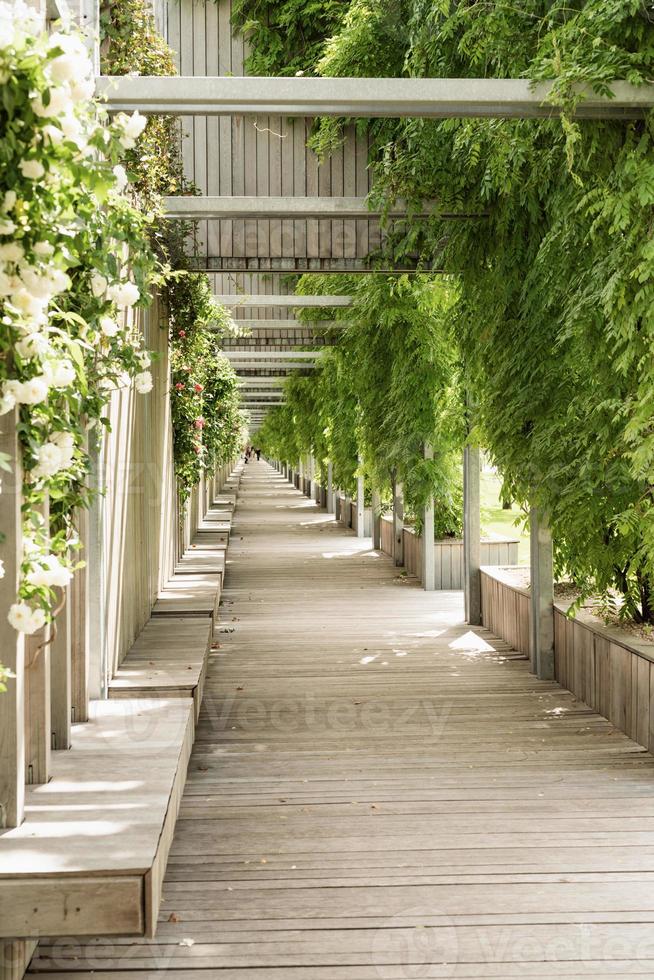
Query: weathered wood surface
{"type": "Point", "coordinates": [86, 858]}
{"type": "Point", "coordinates": [505, 608]}
{"type": "Point", "coordinates": [379, 791]}
{"type": "Point", "coordinates": [168, 659]}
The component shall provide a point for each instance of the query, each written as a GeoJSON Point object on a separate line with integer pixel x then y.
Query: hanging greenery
{"type": "Point", "coordinates": [553, 314]}
{"type": "Point", "coordinates": [204, 397]}
{"type": "Point", "coordinates": [286, 36]}
{"type": "Point", "coordinates": [74, 262]}
{"type": "Point", "coordinates": [389, 387]}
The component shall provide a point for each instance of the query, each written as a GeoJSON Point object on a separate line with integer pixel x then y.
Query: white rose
{"type": "Point", "coordinates": [144, 359]}
{"type": "Point", "coordinates": [53, 133]}
{"type": "Point", "coordinates": [33, 345]}
{"type": "Point", "coordinates": [58, 280]}
{"type": "Point", "coordinates": [49, 573]}
{"type": "Point", "coordinates": [60, 100]}
{"type": "Point", "coordinates": [63, 373]}
{"type": "Point", "coordinates": [11, 252]}
{"type": "Point", "coordinates": [32, 169]}
{"type": "Point", "coordinates": [50, 459]}
{"type": "Point", "coordinates": [82, 90]}
{"type": "Point", "coordinates": [132, 127]}
{"type": "Point", "coordinates": [98, 285]}
{"type": "Point", "coordinates": [2, 568]}
{"type": "Point", "coordinates": [65, 440]}
{"type": "Point", "coordinates": [143, 382]}
{"type": "Point", "coordinates": [108, 326]}
{"type": "Point", "coordinates": [36, 285]}
{"type": "Point", "coordinates": [9, 201]}
{"type": "Point", "coordinates": [124, 294]}
{"type": "Point", "coordinates": [73, 130]}
{"type": "Point", "coordinates": [24, 619]}
{"type": "Point", "coordinates": [8, 284]}
{"type": "Point", "coordinates": [69, 66]}
{"type": "Point", "coordinates": [121, 177]}
{"type": "Point", "coordinates": [7, 227]}
{"type": "Point", "coordinates": [33, 392]}
{"type": "Point", "coordinates": [27, 303]}
{"type": "Point", "coordinates": [44, 249]}
{"type": "Point", "coordinates": [7, 402]}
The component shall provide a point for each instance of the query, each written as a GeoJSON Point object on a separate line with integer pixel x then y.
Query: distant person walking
{"type": "Point", "coordinates": [258, 452]}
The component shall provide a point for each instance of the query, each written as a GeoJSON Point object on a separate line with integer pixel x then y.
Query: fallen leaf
{"type": "Point", "coordinates": [173, 917]}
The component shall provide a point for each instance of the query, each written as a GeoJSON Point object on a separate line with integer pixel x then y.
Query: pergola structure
{"type": "Point", "coordinates": [267, 209]}
{"type": "Point", "coordinates": [207, 96]}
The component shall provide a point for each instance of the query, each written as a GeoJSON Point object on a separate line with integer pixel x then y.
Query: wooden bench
{"type": "Point", "coordinates": [90, 857]}
{"type": "Point", "coordinates": [167, 660]}
{"type": "Point", "coordinates": [192, 594]}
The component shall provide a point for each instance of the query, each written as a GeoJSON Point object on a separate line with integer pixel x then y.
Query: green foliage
{"type": "Point", "coordinates": [206, 421]}
{"type": "Point", "coordinates": [286, 36]}
{"type": "Point", "coordinates": [204, 397]}
{"type": "Point", "coordinates": [554, 313]}
{"type": "Point", "coordinates": [390, 386]}
{"type": "Point", "coordinates": [74, 260]}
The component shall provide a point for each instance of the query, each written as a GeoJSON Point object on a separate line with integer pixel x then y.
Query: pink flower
{"type": "Point", "coordinates": [199, 423]}
{"type": "Point", "coordinates": [180, 385]}
{"type": "Point", "coordinates": [182, 333]}
{"type": "Point", "coordinates": [198, 388]}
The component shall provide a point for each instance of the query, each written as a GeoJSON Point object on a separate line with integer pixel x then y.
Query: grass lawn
{"type": "Point", "coordinates": [498, 522]}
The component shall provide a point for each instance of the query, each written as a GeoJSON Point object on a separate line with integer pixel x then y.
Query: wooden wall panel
{"type": "Point", "coordinates": [260, 155]}
{"type": "Point", "coordinates": [139, 508]}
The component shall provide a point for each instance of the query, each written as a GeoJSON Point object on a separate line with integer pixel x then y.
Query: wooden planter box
{"type": "Point", "coordinates": [448, 555]}
{"type": "Point", "coordinates": [604, 666]}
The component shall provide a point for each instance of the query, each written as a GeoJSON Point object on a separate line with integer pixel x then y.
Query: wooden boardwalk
{"type": "Point", "coordinates": [378, 791]}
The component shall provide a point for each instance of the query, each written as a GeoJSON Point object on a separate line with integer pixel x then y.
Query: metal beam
{"type": "Point", "coordinates": [262, 299]}
{"type": "Point", "coordinates": [277, 366]}
{"type": "Point", "coordinates": [266, 324]}
{"type": "Point", "coordinates": [274, 355]}
{"type": "Point", "coordinates": [287, 265]}
{"type": "Point", "coordinates": [437, 98]}
{"type": "Point", "coordinates": [233, 207]}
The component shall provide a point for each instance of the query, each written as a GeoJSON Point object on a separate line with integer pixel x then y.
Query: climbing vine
{"type": "Point", "coordinates": [389, 387]}
{"type": "Point", "coordinates": [286, 37]}
{"type": "Point", "coordinates": [555, 276]}
{"type": "Point", "coordinates": [74, 262]}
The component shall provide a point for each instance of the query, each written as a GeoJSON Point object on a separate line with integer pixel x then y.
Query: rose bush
{"type": "Point", "coordinates": [75, 260]}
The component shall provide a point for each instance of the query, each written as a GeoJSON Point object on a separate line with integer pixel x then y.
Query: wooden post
{"type": "Point", "coordinates": [12, 644]}
{"type": "Point", "coordinates": [541, 648]}
{"type": "Point", "coordinates": [360, 506]}
{"type": "Point", "coordinates": [38, 698]}
{"type": "Point", "coordinates": [428, 550]}
{"type": "Point", "coordinates": [94, 634]}
{"type": "Point", "coordinates": [471, 536]}
{"type": "Point", "coordinates": [398, 523]}
{"type": "Point", "coordinates": [376, 520]}
{"type": "Point", "coordinates": [330, 488]}
{"type": "Point", "coordinates": [60, 675]}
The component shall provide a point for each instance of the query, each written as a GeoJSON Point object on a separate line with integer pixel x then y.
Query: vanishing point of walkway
{"type": "Point", "coordinates": [378, 791]}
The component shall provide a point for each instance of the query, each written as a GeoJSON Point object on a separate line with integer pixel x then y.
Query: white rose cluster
{"type": "Point", "coordinates": [25, 619]}
{"type": "Point", "coordinates": [55, 455]}
{"type": "Point", "coordinates": [130, 128]}
{"type": "Point", "coordinates": [49, 572]}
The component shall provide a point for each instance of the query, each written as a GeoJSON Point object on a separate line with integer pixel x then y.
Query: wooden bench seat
{"type": "Point", "coordinates": [90, 857]}
{"type": "Point", "coordinates": [167, 660]}
{"type": "Point", "coordinates": [196, 594]}
{"type": "Point", "coordinates": [200, 561]}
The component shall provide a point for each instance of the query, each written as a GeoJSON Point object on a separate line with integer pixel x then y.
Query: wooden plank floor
{"type": "Point", "coordinates": [378, 791]}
